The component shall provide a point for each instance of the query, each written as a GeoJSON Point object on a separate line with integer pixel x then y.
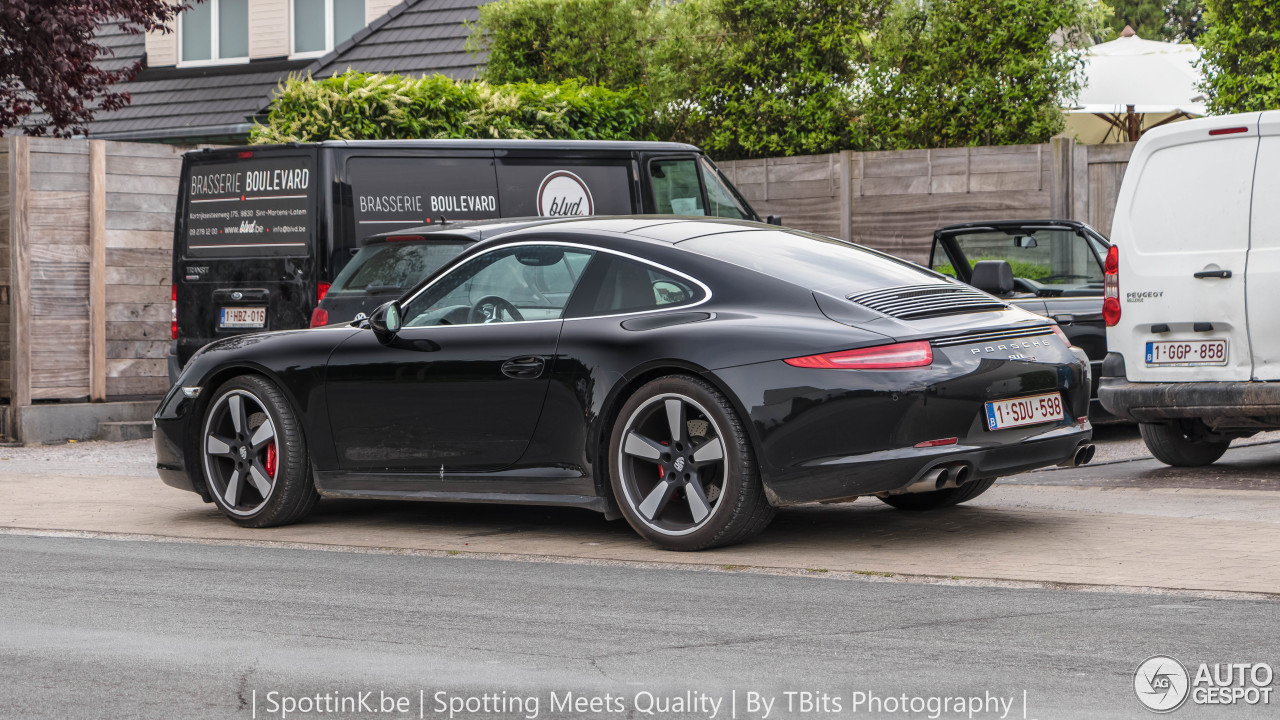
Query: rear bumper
{"type": "Point", "coordinates": [1217, 403]}
{"type": "Point", "coordinates": [892, 470]}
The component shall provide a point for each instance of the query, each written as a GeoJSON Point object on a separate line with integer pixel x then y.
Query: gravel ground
{"type": "Point", "coordinates": [87, 459]}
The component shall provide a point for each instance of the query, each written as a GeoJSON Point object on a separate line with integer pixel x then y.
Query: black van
{"type": "Point", "coordinates": [261, 231]}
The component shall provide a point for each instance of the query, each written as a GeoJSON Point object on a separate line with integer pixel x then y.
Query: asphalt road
{"type": "Point", "coordinates": [112, 629]}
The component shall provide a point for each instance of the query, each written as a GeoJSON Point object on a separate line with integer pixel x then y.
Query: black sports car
{"type": "Point", "coordinates": [688, 375]}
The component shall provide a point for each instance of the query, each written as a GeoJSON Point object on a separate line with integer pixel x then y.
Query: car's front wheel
{"type": "Point", "coordinates": [682, 467]}
{"type": "Point", "coordinates": [254, 455]}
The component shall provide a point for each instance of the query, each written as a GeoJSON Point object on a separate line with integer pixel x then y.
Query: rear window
{"type": "Point", "coordinates": [812, 261]}
{"type": "Point", "coordinates": [250, 208]}
{"type": "Point", "coordinates": [394, 265]}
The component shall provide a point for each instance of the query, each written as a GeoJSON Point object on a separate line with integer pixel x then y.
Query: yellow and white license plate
{"type": "Point", "coordinates": [1002, 414]}
{"type": "Point", "coordinates": [1187, 352]}
{"type": "Point", "coordinates": [243, 317]}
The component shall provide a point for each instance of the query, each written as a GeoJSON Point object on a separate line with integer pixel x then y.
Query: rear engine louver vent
{"type": "Point", "coordinates": [912, 302]}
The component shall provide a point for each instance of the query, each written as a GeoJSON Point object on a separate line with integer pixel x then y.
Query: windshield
{"type": "Point", "coordinates": [1058, 259]}
{"type": "Point", "coordinates": [388, 266]}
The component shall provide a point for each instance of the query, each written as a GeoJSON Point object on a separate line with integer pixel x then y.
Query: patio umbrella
{"type": "Point", "coordinates": [1132, 85]}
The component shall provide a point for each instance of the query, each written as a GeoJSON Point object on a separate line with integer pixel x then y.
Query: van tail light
{"type": "Point", "coordinates": [173, 306]}
{"type": "Point", "coordinates": [319, 317]}
{"type": "Point", "coordinates": [322, 289]}
{"type": "Point", "coordinates": [883, 357]}
{"type": "Point", "coordinates": [1111, 287]}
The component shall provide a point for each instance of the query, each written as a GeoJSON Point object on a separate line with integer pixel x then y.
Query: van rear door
{"type": "Point", "coordinates": [243, 259]}
{"type": "Point", "coordinates": [1263, 282]}
{"type": "Point", "coordinates": [1182, 230]}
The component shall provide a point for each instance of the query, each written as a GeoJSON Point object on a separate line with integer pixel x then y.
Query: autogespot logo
{"type": "Point", "coordinates": [1161, 683]}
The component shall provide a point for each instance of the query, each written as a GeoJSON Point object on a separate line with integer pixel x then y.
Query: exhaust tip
{"type": "Point", "coordinates": [961, 475]}
{"type": "Point", "coordinates": [1083, 455]}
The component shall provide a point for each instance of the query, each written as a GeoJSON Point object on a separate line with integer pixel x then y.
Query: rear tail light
{"type": "Point", "coordinates": [1111, 287]}
{"type": "Point", "coordinates": [1061, 335]}
{"type": "Point", "coordinates": [173, 307]}
{"type": "Point", "coordinates": [883, 357]}
{"type": "Point", "coordinates": [319, 317]}
{"type": "Point", "coordinates": [322, 289]}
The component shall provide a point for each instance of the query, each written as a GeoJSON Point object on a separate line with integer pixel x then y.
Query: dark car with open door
{"type": "Point", "coordinates": [1050, 267]}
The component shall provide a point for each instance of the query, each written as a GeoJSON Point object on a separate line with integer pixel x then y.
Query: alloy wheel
{"type": "Point", "coordinates": [241, 459]}
{"type": "Point", "coordinates": [672, 464]}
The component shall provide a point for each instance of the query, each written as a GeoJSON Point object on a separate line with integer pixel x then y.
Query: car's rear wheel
{"type": "Point", "coordinates": [936, 499]}
{"type": "Point", "coordinates": [682, 467]}
{"type": "Point", "coordinates": [1181, 443]}
{"type": "Point", "coordinates": [254, 455]}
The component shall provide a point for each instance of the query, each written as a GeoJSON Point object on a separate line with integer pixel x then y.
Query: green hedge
{"type": "Point", "coordinates": [369, 106]}
{"type": "Point", "coordinates": [1021, 268]}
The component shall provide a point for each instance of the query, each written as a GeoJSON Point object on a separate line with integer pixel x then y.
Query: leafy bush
{"type": "Point", "coordinates": [782, 83]}
{"type": "Point", "coordinates": [1241, 55]}
{"type": "Point", "coordinates": [600, 41]}
{"type": "Point", "coordinates": [952, 73]}
{"type": "Point", "coordinates": [367, 106]}
{"type": "Point", "coordinates": [1021, 268]}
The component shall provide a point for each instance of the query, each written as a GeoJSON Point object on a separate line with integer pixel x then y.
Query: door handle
{"type": "Point", "coordinates": [523, 368]}
{"type": "Point", "coordinates": [1213, 274]}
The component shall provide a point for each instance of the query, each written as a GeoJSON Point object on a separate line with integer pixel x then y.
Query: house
{"type": "Point", "coordinates": [206, 81]}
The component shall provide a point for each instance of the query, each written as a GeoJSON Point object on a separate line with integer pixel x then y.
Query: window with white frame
{"type": "Point", "coordinates": [321, 25]}
{"type": "Point", "coordinates": [214, 31]}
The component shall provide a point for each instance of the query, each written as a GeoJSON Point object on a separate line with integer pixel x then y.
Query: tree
{"type": "Point", "coordinates": [1146, 17]}
{"type": "Point", "coordinates": [949, 73]}
{"type": "Point", "coordinates": [1166, 20]}
{"type": "Point", "coordinates": [1184, 20]}
{"type": "Point", "coordinates": [1241, 55]}
{"type": "Point", "coordinates": [47, 56]}
{"type": "Point", "coordinates": [782, 81]}
{"type": "Point", "coordinates": [599, 41]}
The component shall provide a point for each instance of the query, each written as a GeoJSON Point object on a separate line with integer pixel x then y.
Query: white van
{"type": "Point", "coordinates": [1192, 299]}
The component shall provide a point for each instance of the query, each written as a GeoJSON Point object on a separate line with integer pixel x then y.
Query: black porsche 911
{"type": "Point", "coordinates": [689, 375]}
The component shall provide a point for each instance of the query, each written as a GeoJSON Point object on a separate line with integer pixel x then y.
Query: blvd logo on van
{"type": "Point", "coordinates": [563, 194]}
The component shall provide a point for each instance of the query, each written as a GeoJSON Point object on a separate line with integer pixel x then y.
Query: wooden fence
{"type": "Point", "coordinates": [893, 201]}
{"type": "Point", "coordinates": [87, 231]}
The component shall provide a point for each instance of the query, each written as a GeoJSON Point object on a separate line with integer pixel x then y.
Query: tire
{"type": "Point", "coordinates": [939, 498]}
{"type": "Point", "coordinates": [1177, 443]}
{"type": "Point", "coordinates": [682, 467]}
{"type": "Point", "coordinates": [254, 456]}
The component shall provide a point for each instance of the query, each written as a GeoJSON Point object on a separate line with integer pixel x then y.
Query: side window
{"type": "Point", "coordinates": [527, 282]}
{"type": "Point", "coordinates": [720, 199]}
{"type": "Point", "coordinates": [630, 286]}
{"type": "Point", "coordinates": [676, 190]}
{"type": "Point", "coordinates": [941, 262]}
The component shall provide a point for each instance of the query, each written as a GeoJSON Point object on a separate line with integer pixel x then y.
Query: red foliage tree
{"type": "Point", "coordinates": [47, 54]}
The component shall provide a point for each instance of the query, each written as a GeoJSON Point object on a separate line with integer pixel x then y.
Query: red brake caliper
{"type": "Point", "coordinates": [270, 463]}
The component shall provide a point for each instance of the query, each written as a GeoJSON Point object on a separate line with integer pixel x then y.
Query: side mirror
{"type": "Point", "coordinates": [385, 322]}
{"type": "Point", "coordinates": [773, 220]}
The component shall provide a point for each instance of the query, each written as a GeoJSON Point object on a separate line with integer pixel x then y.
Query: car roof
{"type": "Point", "coordinates": [508, 145]}
{"type": "Point", "coordinates": [669, 229]}
{"type": "Point", "coordinates": [473, 230]}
